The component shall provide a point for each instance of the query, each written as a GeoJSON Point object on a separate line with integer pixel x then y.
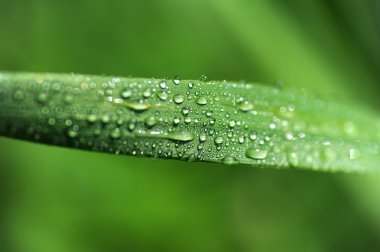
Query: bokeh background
{"type": "Point", "coordinates": [55, 199]}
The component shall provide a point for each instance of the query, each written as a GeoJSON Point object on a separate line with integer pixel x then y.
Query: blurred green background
{"type": "Point", "coordinates": [55, 199]}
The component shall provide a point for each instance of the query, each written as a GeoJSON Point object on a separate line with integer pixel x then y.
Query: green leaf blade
{"type": "Point", "coordinates": [227, 122]}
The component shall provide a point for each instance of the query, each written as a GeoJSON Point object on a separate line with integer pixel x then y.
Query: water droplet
{"type": "Point", "coordinates": [126, 93]}
{"type": "Point", "coordinates": [69, 99]}
{"type": "Point", "coordinates": [72, 133]}
{"type": "Point", "coordinates": [353, 153]}
{"type": "Point", "coordinates": [92, 118]}
{"type": "Point", "coordinates": [116, 133]}
{"type": "Point", "coordinates": [137, 106]}
{"type": "Point", "coordinates": [241, 139]}
{"type": "Point", "coordinates": [150, 121]}
{"type": "Point", "coordinates": [293, 159]}
{"type": "Point", "coordinates": [209, 113]}
{"type": "Point", "coordinates": [229, 160]}
{"type": "Point", "coordinates": [188, 120]}
{"type": "Point", "coordinates": [162, 96]}
{"type": "Point", "coordinates": [185, 110]}
{"type": "Point", "coordinates": [256, 153]}
{"type": "Point", "coordinates": [245, 106]}
{"type": "Point", "coordinates": [183, 136]}
{"type": "Point", "coordinates": [202, 137]}
{"type": "Point", "coordinates": [202, 100]}
{"type": "Point", "coordinates": [191, 85]}
{"type": "Point", "coordinates": [272, 126]}
{"type": "Point", "coordinates": [203, 78]}
{"type": "Point", "coordinates": [18, 95]}
{"type": "Point", "coordinates": [147, 93]}
{"type": "Point", "coordinates": [231, 123]}
{"type": "Point", "coordinates": [176, 120]}
{"type": "Point", "coordinates": [42, 97]}
{"type": "Point", "coordinates": [178, 99]}
{"type": "Point", "coordinates": [163, 84]}
{"type": "Point", "coordinates": [177, 80]}
{"type": "Point", "coordinates": [219, 140]}
{"type": "Point", "coordinates": [51, 121]}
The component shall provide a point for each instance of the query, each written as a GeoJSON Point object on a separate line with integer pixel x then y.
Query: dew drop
{"type": "Point", "coordinates": [150, 121]}
{"type": "Point", "coordinates": [203, 78]}
{"type": "Point", "coordinates": [253, 136]}
{"type": "Point", "coordinates": [202, 137]}
{"type": "Point", "coordinates": [18, 95]}
{"type": "Point", "coordinates": [147, 93]}
{"type": "Point", "coordinates": [126, 93]}
{"type": "Point", "coordinates": [353, 153]}
{"type": "Point", "coordinates": [178, 99]}
{"type": "Point", "coordinates": [218, 140]}
{"type": "Point", "coordinates": [245, 106]}
{"type": "Point", "coordinates": [256, 153]}
{"type": "Point", "coordinates": [176, 120]}
{"type": "Point", "coordinates": [92, 118]}
{"type": "Point", "coordinates": [162, 96]}
{"type": "Point", "coordinates": [191, 85]}
{"type": "Point", "coordinates": [241, 139]}
{"type": "Point", "coordinates": [202, 101]}
{"type": "Point", "coordinates": [293, 159]}
{"type": "Point", "coordinates": [72, 133]}
{"type": "Point", "coordinates": [183, 136]}
{"type": "Point", "coordinates": [231, 123]}
{"type": "Point", "coordinates": [42, 97]}
{"type": "Point", "coordinates": [185, 110]}
{"type": "Point", "coordinates": [177, 80]}
{"type": "Point", "coordinates": [116, 133]}
{"type": "Point", "coordinates": [163, 84]}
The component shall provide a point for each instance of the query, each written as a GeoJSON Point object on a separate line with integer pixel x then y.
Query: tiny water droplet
{"type": "Point", "coordinates": [185, 110]}
{"type": "Point", "coordinates": [203, 78]}
{"type": "Point", "coordinates": [150, 121]}
{"type": "Point", "coordinates": [126, 93]}
{"type": "Point", "coordinates": [245, 106]}
{"type": "Point", "coordinates": [231, 123]}
{"type": "Point", "coordinates": [162, 96]}
{"type": "Point", "coordinates": [18, 95]}
{"type": "Point", "coordinates": [191, 85]}
{"type": "Point", "coordinates": [116, 133]}
{"type": "Point", "coordinates": [256, 153]}
{"type": "Point", "coordinates": [147, 93]}
{"type": "Point", "coordinates": [353, 153]}
{"type": "Point", "coordinates": [72, 133]}
{"type": "Point", "coordinates": [202, 100]}
{"type": "Point", "coordinates": [241, 139]}
{"type": "Point", "coordinates": [178, 99]}
{"type": "Point", "coordinates": [219, 140]}
{"type": "Point", "coordinates": [253, 136]}
{"type": "Point", "coordinates": [202, 137]}
{"type": "Point", "coordinates": [176, 120]}
{"type": "Point", "coordinates": [177, 80]}
{"type": "Point", "coordinates": [293, 159]}
{"type": "Point", "coordinates": [92, 118]}
{"type": "Point", "coordinates": [163, 84]}
{"type": "Point", "coordinates": [42, 97]}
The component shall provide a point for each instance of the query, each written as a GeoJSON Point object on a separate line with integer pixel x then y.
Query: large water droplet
{"type": "Point", "coordinates": [219, 140]}
{"type": "Point", "coordinates": [255, 153]}
{"type": "Point", "coordinates": [178, 99]}
{"type": "Point", "coordinates": [183, 136]}
{"type": "Point", "coordinates": [202, 100]}
{"type": "Point", "coordinates": [150, 121]}
{"type": "Point", "coordinates": [177, 80]}
{"type": "Point", "coordinates": [126, 93]}
{"type": "Point", "coordinates": [245, 106]}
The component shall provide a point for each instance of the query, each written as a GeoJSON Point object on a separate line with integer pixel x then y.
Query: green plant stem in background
{"type": "Point", "coordinates": [216, 121]}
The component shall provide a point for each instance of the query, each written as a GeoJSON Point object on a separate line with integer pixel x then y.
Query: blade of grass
{"type": "Point", "coordinates": [215, 121]}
